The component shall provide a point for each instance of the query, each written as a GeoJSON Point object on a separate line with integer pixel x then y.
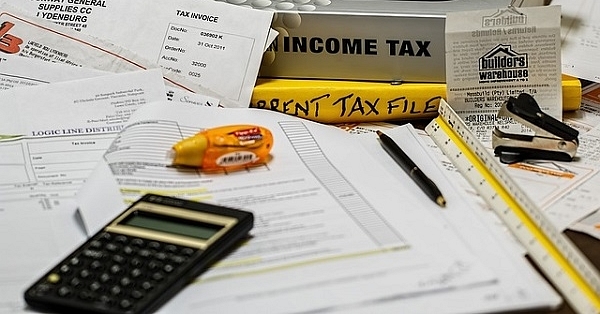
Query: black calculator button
{"type": "Point", "coordinates": [187, 251]}
{"type": "Point", "coordinates": [64, 291]}
{"type": "Point", "coordinates": [76, 282]}
{"type": "Point", "coordinates": [53, 278]}
{"type": "Point", "coordinates": [106, 300]}
{"type": "Point", "coordinates": [116, 269]}
{"type": "Point", "coordinates": [168, 268]}
{"type": "Point", "coordinates": [111, 247]}
{"type": "Point", "coordinates": [93, 254]}
{"type": "Point", "coordinates": [121, 239]}
{"type": "Point", "coordinates": [85, 274]}
{"type": "Point", "coordinates": [138, 242]}
{"type": "Point", "coordinates": [153, 245]}
{"type": "Point", "coordinates": [116, 290]}
{"type": "Point", "coordinates": [144, 253]}
{"type": "Point", "coordinates": [96, 265]}
{"type": "Point", "coordinates": [161, 256]}
{"type": "Point", "coordinates": [128, 250]}
{"type": "Point", "coordinates": [158, 276]}
{"type": "Point", "coordinates": [125, 304]}
{"type": "Point", "coordinates": [136, 262]}
{"type": "Point", "coordinates": [65, 269]}
{"type": "Point", "coordinates": [170, 248]}
{"type": "Point", "coordinates": [137, 294]}
{"type": "Point", "coordinates": [96, 244]}
{"type": "Point", "coordinates": [42, 289]}
{"type": "Point", "coordinates": [136, 272]}
{"type": "Point", "coordinates": [147, 285]}
{"type": "Point", "coordinates": [119, 259]}
{"type": "Point", "coordinates": [95, 286]}
{"type": "Point", "coordinates": [154, 265]}
{"type": "Point", "coordinates": [75, 261]}
{"type": "Point", "coordinates": [177, 259]}
{"type": "Point", "coordinates": [125, 282]}
{"type": "Point", "coordinates": [104, 278]}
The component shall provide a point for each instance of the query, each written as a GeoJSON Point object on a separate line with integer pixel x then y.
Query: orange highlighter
{"type": "Point", "coordinates": [228, 147]}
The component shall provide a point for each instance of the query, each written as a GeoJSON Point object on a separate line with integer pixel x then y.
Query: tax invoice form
{"type": "Point", "coordinates": [211, 44]}
{"type": "Point", "coordinates": [53, 134]}
{"type": "Point", "coordinates": [333, 228]}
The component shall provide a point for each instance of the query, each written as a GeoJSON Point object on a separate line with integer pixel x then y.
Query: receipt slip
{"type": "Point", "coordinates": [228, 147]}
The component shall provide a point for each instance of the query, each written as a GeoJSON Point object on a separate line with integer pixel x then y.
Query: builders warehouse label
{"type": "Point", "coordinates": [495, 54]}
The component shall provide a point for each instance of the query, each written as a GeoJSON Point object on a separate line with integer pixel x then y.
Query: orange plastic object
{"type": "Point", "coordinates": [227, 147]}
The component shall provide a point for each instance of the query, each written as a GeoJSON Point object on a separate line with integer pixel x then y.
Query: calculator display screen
{"type": "Point", "coordinates": [173, 225]}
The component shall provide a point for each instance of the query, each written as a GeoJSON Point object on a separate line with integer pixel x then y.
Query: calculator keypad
{"type": "Point", "coordinates": [115, 272]}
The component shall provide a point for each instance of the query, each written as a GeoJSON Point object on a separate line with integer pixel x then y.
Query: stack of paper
{"type": "Point", "coordinates": [339, 227]}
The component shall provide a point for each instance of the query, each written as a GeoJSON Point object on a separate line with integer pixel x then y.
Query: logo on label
{"type": "Point", "coordinates": [8, 42]}
{"type": "Point", "coordinates": [502, 64]}
{"type": "Point", "coordinates": [504, 17]}
{"type": "Point", "coordinates": [248, 136]}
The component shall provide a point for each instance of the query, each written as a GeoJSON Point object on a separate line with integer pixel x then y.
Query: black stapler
{"type": "Point", "coordinates": [553, 139]}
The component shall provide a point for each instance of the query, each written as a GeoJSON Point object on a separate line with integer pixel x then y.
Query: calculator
{"type": "Point", "coordinates": [141, 258]}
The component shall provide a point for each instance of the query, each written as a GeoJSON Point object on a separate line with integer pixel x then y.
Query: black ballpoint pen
{"type": "Point", "coordinates": [411, 169]}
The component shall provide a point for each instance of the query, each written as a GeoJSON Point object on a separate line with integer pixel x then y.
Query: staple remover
{"type": "Point", "coordinates": [553, 139]}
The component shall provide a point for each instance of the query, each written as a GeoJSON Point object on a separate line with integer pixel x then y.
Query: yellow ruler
{"type": "Point", "coordinates": [563, 264]}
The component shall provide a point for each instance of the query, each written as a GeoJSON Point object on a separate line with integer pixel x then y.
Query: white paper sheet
{"type": "Point", "coordinates": [324, 229]}
{"type": "Point", "coordinates": [580, 42]}
{"type": "Point", "coordinates": [31, 37]}
{"type": "Point", "coordinates": [588, 115]}
{"type": "Point", "coordinates": [495, 54]}
{"type": "Point", "coordinates": [31, 243]}
{"type": "Point", "coordinates": [64, 128]}
{"type": "Point", "coordinates": [215, 45]}
{"type": "Point", "coordinates": [518, 286]}
{"type": "Point", "coordinates": [16, 71]}
{"type": "Point", "coordinates": [580, 207]}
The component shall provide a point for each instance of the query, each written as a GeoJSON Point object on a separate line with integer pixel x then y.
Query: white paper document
{"type": "Point", "coordinates": [546, 181]}
{"type": "Point", "coordinates": [31, 243]}
{"type": "Point", "coordinates": [31, 37]}
{"type": "Point", "coordinates": [60, 132]}
{"type": "Point", "coordinates": [325, 231]}
{"type": "Point", "coordinates": [54, 134]}
{"type": "Point", "coordinates": [588, 115]}
{"type": "Point", "coordinates": [16, 71]}
{"type": "Point", "coordinates": [581, 205]}
{"type": "Point", "coordinates": [518, 285]}
{"type": "Point", "coordinates": [216, 45]}
{"type": "Point", "coordinates": [580, 41]}
{"type": "Point", "coordinates": [492, 55]}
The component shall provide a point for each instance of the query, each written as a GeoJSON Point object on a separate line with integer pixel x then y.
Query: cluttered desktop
{"type": "Point", "coordinates": [299, 156]}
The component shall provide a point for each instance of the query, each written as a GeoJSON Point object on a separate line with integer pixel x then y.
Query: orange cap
{"type": "Point", "coordinates": [190, 151]}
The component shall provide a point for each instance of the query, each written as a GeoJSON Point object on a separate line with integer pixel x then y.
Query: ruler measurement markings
{"type": "Point", "coordinates": [569, 270]}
